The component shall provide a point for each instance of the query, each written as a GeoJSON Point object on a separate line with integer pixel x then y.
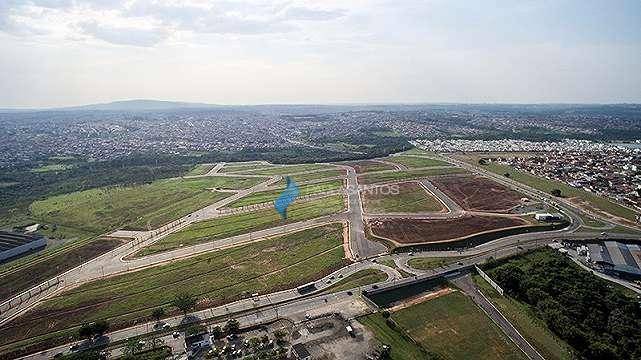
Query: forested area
{"type": "Point", "coordinates": [599, 320]}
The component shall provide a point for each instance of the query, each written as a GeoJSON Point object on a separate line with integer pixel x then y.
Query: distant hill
{"type": "Point", "coordinates": [140, 105]}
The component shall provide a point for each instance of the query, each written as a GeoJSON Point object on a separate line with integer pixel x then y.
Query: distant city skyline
{"type": "Point", "coordinates": [74, 52]}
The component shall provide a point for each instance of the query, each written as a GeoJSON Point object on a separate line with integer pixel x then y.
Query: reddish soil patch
{"type": "Point", "coordinates": [476, 193]}
{"type": "Point", "coordinates": [410, 231]}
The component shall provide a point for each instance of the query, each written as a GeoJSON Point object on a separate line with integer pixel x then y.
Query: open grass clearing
{"type": "Point", "coordinates": [534, 330]}
{"type": "Point", "coordinates": [232, 225]}
{"type": "Point", "coordinates": [271, 195]}
{"type": "Point", "coordinates": [414, 162]}
{"type": "Point", "coordinates": [428, 263]}
{"type": "Point", "coordinates": [52, 168]}
{"type": "Point", "coordinates": [365, 166]}
{"type": "Point", "coordinates": [455, 328]}
{"type": "Point", "coordinates": [290, 169]}
{"type": "Point", "coordinates": [380, 177]}
{"type": "Point", "coordinates": [201, 169]}
{"type": "Point", "coordinates": [317, 175]}
{"type": "Point", "coordinates": [402, 347]}
{"type": "Point", "coordinates": [409, 197]}
{"type": "Point", "coordinates": [215, 278]}
{"type": "Point", "coordinates": [357, 279]}
{"type": "Point", "coordinates": [101, 209]}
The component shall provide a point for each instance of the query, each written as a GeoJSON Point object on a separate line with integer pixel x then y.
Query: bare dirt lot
{"type": "Point", "coordinates": [476, 193]}
{"type": "Point", "coordinates": [412, 231]}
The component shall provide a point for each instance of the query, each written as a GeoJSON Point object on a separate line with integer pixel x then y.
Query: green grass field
{"type": "Point", "coordinates": [413, 162]}
{"type": "Point", "coordinates": [232, 225]}
{"type": "Point", "coordinates": [201, 169]}
{"type": "Point", "coordinates": [399, 198]}
{"type": "Point", "coordinates": [98, 210]}
{"type": "Point", "coordinates": [359, 278]}
{"type": "Point", "coordinates": [566, 190]}
{"type": "Point", "coordinates": [406, 175]}
{"type": "Point", "coordinates": [428, 263]}
{"type": "Point", "coordinates": [270, 196]}
{"type": "Point", "coordinates": [534, 330]}
{"type": "Point", "coordinates": [290, 169]}
{"type": "Point", "coordinates": [453, 327]}
{"type": "Point", "coordinates": [245, 166]}
{"type": "Point", "coordinates": [215, 278]}
{"type": "Point", "coordinates": [323, 174]}
{"type": "Point", "coordinates": [402, 347]}
{"type": "Point", "coordinates": [52, 168]}
{"type": "Point", "coordinates": [365, 166]}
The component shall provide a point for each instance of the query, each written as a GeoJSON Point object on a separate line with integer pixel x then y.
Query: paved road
{"type": "Point", "coordinates": [263, 308]}
{"type": "Point", "coordinates": [466, 284]}
{"type": "Point", "coordinates": [360, 246]}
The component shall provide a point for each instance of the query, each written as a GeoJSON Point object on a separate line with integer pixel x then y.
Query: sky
{"type": "Point", "coordinates": [73, 52]}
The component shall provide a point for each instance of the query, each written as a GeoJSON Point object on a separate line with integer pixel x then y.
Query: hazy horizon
{"type": "Point", "coordinates": [253, 52]}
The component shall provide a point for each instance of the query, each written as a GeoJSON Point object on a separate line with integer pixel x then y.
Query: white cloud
{"type": "Point", "coordinates": [107, 20]}
{"type": "Point", "coordinates": [124, 35]}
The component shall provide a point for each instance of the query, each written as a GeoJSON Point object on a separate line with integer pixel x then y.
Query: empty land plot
{"type": "Point", "coordinates": [476, 193]}
{"type": "Point", "coordinates": [406, 175]}
{"type": "Point", "coordinates": [201, 169]}
{"type": "Point", "coordinates": [408, 197]}
{"type": "Point", "coordinates": [101, 209]}
{"type": "Point", "coordinates": [365, 166]}
{"type": "Point", "coordinates": [359, 278]}
{"type": "Point", "coordinates": [14, 281]}
{"type": "Point", "coordinates": [414, 162]}
{"type": "Point", "coordinates": [427, 263]}
{"type": "Point", "coordinates": [269, 196]}
{"type": "Point", "coordinates": [410, 231]}
{"type": "Point", "coordinates": [317, 175]}
{"type": "Point", "coordinates": [402, 347]}
{"type": "Point", "coordinates": [453, 327]}
{"type": "Point", "coordinates": [291, 169]}
{"type": "Point", "coordinates": [240, 167]}
{"type": "Point", "coordinates": [232, 225]}
{"type": "Point", "coordinates": [214, 278]}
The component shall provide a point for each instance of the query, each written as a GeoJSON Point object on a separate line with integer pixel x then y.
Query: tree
{"type": "Point", "coordinates": [132, 347]}
{"type": "Point", "coordinates": [217, 332]}
{"type": "Point", "coordinates": [86, 331]}
{"type": "Point", "coordinates": [280, 336]}
{"type": "Point", "coordinates": [232, 326]}
{"type": "Point", "coordinates": [556, 192]}
{"type": "Point", "coordinates": [100, 327]}
{"type": "Point", "coordinates": [185, 302]}
{"type": "Point", "coordinates": [158, 313]}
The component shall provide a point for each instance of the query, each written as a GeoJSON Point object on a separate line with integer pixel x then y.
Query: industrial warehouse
{"type": "Point", "coordinates": [615, 258]}
{"type": "Point", "coordinates": [13, 245]}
